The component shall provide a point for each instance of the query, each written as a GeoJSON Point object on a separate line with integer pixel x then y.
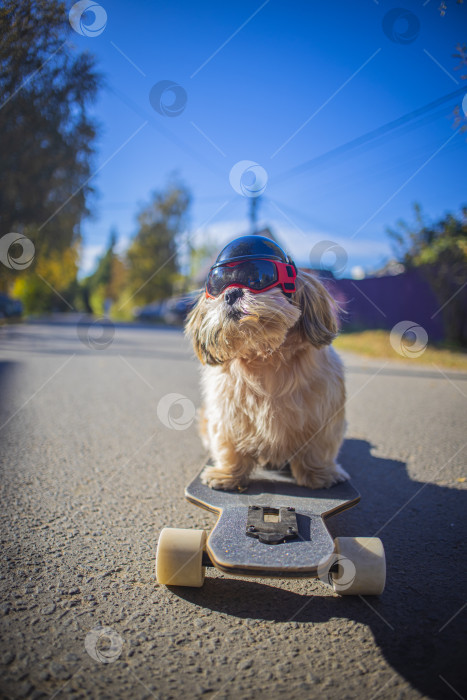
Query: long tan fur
{"type": "Point", "coordinates": [273, 387]}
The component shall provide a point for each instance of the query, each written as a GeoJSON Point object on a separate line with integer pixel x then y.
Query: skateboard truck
{"type": "Point", "coordinates": [271, 525]}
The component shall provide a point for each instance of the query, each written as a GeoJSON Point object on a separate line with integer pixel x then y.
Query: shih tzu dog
{"type": "Point", "coordinates": [273, 387]}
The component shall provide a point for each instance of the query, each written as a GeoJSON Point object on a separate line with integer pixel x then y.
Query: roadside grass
{"type": "Point", "coordinates": [376, 344]}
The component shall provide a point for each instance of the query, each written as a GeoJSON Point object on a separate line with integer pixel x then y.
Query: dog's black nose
{"type": "Point", "coordinates": [233, 294]}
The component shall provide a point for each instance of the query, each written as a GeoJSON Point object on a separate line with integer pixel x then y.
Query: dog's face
{"type": "Point", "coordinates": [241, 324]}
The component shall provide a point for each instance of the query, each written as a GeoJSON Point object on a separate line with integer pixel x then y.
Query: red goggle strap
{"type": "Point", "coordinates": [287, 274]}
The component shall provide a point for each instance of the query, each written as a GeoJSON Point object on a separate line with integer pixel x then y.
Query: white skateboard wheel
{"type": "Point", "coordinates": [179, 557]}
{"type": "Point", "coordinates": [361, 566]}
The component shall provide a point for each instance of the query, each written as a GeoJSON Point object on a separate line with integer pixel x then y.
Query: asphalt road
{"type": "Point", "coordinates": [90, 474]}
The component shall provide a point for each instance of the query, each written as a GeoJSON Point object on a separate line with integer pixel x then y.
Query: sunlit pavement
{"type": "Point", "coordinates": [92, 470]}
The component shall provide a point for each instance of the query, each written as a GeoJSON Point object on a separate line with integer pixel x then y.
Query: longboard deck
{"type": "Point", "coordinates": [232, 551]}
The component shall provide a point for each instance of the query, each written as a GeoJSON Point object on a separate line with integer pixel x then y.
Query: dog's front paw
{"type": "Point", "coordinates": [339, 474]}
{"type": "Point", "coordinates": [217, 478]}
{"type": "Point", "coordinates": [321, 478]}
{"type": "Point", "coordinates": [334, 476]}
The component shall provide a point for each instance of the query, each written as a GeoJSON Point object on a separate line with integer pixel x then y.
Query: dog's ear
{"type": "Point", "coordinates": [318, 322]}
{"type": "Point", "coordinates": [193, 329]}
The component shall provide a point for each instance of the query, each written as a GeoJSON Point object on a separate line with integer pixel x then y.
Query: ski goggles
{"type": "Point", "coordinates": [255, 275]}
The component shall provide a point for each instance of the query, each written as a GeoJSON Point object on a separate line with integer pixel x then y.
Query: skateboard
{"type": "Point", "coordinates": [272, 528]}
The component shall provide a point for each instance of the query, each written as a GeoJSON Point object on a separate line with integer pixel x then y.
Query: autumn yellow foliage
{"type": "Point", "coordinates": [44, 285]}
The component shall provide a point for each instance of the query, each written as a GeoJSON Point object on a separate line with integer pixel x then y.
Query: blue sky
{"type": "Point", "coordinates": [278, 84]}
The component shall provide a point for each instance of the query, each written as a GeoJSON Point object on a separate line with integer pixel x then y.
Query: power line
{"type": "Point", "coordinates": [360, 178]}
{"type": "Point", "coordinates": [310, 220]}
{"type": "Point", "coordinates": [369, 136]}
{"type": "Point", "coordinates": [343, 182]}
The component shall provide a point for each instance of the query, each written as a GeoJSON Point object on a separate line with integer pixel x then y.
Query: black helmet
{"type": "Point", "coordinates": [251, 247]}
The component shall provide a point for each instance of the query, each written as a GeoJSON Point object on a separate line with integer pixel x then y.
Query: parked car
{"type": "Point", "coordinates": [9, 308]}
{"type": "Point", "coordinates": [172, 311]}
{"type": "Point", "coordinates": [150, 312]}
{"type": "Point", "coordinates": [178, 308]}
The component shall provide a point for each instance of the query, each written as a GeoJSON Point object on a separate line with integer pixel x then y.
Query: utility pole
{"type": "Point", "coordinates": [254, 201]}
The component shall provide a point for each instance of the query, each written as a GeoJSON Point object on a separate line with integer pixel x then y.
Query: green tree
{"type": "Point", "coordinates": [46, 134]}
{"type": "Point", "coordinates": [103, 274]}
{"type": "Point", "coordinates": [439, 250]}
{"type": "Point", "coordinates": [152, 258]}
{"type": "Point", "coordinates": [108, 280]}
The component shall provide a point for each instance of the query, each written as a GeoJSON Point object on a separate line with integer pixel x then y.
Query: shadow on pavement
{"type": "Point", "coordinates": [86, 338]}
{"type": "Point", "coordinates": [64, 334]}
{"type": "Point", "coordinates": [418, 622]}
{"type": "Point", "coordinates": [405, 372]}
{"type": "Point", "coordinates": [8, 372]}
